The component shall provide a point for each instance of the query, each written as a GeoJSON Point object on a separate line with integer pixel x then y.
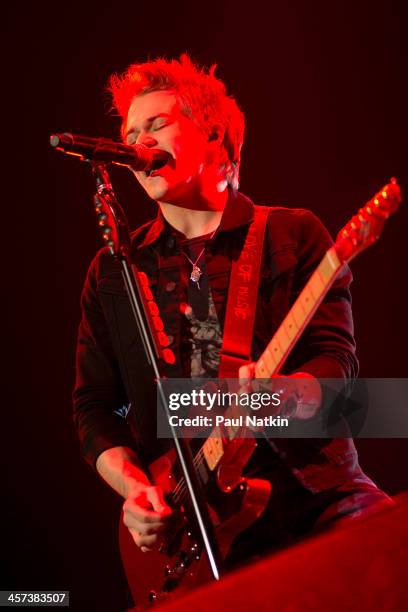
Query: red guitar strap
{"type": "Point", "coordinates": [242, 299]}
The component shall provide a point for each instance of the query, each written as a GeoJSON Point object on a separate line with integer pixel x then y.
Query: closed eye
{"type": "Point", "coordinates": [153, 125]}
{"type": "Point", "coordinates": [159, 126]}
{"type": "Point", "coordinates": [132, 138]}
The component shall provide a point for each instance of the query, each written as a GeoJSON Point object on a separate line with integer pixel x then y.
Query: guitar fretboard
{"type": "Point", "coordinates": [277, 351]}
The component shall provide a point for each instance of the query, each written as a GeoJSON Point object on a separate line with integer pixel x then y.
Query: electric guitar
{"type": "Point", "coordinates": [235, 502]}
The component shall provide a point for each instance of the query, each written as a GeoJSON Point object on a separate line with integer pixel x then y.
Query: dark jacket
{"type": "Point", "coordinates": [111, 367]}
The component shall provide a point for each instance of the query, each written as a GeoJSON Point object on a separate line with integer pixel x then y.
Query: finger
{"type": "Point", "coordinates": [141, 527]}
{"type": "Point", "coordinates": [137, 538]}
{"type": "Point", "coordinates": [150, 542]}
{"type": "Point", "coordinates": [140, 513]}
{"type": "Point", "coordinates": [155, 496]}
{"type": "Point", "coordinates": [149, 528]}
{"type": "Point", "coordinates": [246, 372]}
{"type": "Point", "coordinates": [309, 394]}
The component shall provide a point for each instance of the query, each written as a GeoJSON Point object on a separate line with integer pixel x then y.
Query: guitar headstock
{"type": "Point", "coordinates": [366, 226]}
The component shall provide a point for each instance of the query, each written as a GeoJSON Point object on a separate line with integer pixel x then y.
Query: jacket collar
{"type": "Point", "coordinates": [239, 210]}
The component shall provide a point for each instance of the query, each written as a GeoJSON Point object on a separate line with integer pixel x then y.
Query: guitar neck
{"type": "Point", "coordinates": [279, 348]}
{"type": "Point", "coordinates": [361, 231]}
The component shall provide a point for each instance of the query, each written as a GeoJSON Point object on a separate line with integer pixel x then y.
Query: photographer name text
{"type": "Point", "coordinates": [220, 420]}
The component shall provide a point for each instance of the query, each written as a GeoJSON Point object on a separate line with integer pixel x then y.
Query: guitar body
{"type": "Point", "coordinates": [235, 503]}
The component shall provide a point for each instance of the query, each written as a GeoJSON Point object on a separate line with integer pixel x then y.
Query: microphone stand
{"type": "Point", "coordinates": [116, 235]}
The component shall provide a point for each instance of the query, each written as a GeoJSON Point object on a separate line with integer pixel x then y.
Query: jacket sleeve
{"type": "Point", "coordinates": [99, 397]}
{"type": "Point", "coordinates": [327, 347]}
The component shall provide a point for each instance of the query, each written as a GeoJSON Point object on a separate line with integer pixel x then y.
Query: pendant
{"type": "Point", "coordinates": [195, 275]}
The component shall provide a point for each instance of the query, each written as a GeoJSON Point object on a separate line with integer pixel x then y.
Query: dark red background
{"type": "Point", "coordinates": [322, 88]}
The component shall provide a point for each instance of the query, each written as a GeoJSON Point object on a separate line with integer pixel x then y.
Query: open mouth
{"type": "Point", "coordinates": [151, 172]}
{"type": "Point", "coordinates": [157, 165]}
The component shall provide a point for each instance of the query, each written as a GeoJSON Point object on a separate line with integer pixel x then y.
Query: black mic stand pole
{"type": "Point", "coordinates": [117, 236]}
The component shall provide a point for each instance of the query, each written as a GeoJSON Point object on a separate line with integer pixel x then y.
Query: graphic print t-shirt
{"type": "Point", "coordinates": [201, 330]}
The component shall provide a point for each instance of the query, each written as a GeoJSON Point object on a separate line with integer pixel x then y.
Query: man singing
{"type": "Point", "coordinates": [187, 252]}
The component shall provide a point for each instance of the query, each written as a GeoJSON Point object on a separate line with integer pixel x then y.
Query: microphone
{"type": "Point", "coordinates": [138, 157]}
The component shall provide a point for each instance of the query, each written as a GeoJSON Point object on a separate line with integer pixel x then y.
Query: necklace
{"type": "Point", "coordinates": [196, 271]}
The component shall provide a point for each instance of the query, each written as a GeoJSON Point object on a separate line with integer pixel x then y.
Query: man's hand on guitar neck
{"type": "Point", "coordinates": [145, 512]}
{"type": "Point", "coordinates": [301, 397]}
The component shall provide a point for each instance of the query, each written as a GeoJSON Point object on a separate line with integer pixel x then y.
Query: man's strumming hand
{"type": "Point", "coordinates": [145, 512]}
{"type": "Point", "coordinates": [146, 515]}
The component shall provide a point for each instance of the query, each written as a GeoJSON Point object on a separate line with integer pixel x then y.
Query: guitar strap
{"type": "Point", "coordinates": [242, 299]}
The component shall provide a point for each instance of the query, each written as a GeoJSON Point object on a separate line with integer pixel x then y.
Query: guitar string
{"type": "Point", "coordinates": [181, 487]}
